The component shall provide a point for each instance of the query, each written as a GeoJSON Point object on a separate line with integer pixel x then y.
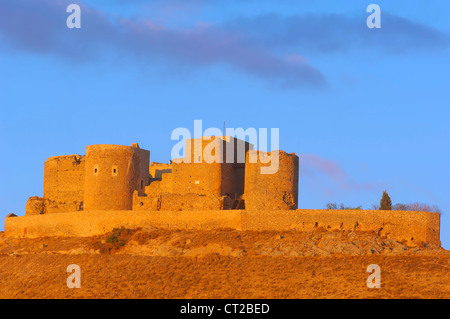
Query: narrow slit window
{"type": "Point", "coordinates": [96, 170]}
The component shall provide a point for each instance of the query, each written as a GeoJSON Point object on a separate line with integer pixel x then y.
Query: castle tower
{"type": "Point", "coordinates": [278, 187]}
{"type": "Point", "coordinates": [64, 183]}
{"type": "Point", "coordinates": [113, 173]}
{"type": "Point", "coordinates": [207, 170]}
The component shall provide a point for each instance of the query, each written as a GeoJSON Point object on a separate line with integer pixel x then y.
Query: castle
{"type": "Point", "coordinates": [221, 182]}
{"type": "Point", "coordinates": [116, 177]}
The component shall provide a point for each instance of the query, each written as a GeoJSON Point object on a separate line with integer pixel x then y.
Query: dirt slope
{"type": "Point", "coordinates": [221, 264]}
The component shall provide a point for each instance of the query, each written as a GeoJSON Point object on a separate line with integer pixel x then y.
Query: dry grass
{"type": "Point", "coordinates": [220, 264]}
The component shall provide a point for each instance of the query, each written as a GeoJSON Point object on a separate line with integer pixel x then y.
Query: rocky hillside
{"type": "Point", "coordinates": [155, 263]}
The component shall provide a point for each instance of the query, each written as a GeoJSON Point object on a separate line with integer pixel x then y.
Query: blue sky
{"type": "Point", "coordinates": [366, 109]}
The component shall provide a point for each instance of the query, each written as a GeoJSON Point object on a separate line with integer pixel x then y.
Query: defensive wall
{"type": "Point", "coordinates": [412, 228]}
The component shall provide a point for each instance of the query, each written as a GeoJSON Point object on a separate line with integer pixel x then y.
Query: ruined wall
{"type": "Point", "coordinates": [163, 185]}
{"type": "Point", "coordinates": [157, 169]}
{"type": "Point", "coordinates": [278, 191]}
{"type": "Point", "coordinates": [95, 223]}
{"type": "Point", "coordinates": [113, 173]}
{"type": "Point", "coordinates": [412, 228]}
{"type": "Point", "coordinates": [39, 205]}
{"type": "Point", "coordinates": [36, 206]}
{"type": "Point", "coordinates": [63, 183]}
{"type": "Point", "coordinates": [180, 202]}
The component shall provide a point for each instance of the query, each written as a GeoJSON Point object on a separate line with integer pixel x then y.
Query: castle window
{"type": "Point", "coordinates": [142, 184]}
{"type": "Point", "coordinates": [96, 170]}
{"type": "Point", "coordinates": [115, 170]}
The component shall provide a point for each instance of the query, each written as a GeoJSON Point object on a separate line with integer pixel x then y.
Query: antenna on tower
{"type": "Point", "coordinates": [223, 132]}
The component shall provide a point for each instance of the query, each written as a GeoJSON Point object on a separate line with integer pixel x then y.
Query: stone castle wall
{"type": "Point", "coordinates": [412, 228]}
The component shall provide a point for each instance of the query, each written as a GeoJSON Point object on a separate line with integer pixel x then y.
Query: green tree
{"type": "Point", "coordinates": [385, 202]}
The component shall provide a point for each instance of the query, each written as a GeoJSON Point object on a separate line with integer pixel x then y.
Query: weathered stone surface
{"type": "Point", "coordinates": [411, 228]}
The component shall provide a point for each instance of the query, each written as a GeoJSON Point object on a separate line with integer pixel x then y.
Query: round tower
{"type": "Point", "coordinates": [271, 189]}
{"type": "Point", "coordinates": [113, 173]}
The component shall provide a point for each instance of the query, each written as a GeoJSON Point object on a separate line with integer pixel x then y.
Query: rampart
{"type": "Point", "coordinates": [412, 228]}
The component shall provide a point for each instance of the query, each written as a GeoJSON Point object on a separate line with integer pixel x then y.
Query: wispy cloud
{"type": "Point", "coordinates": [330, 33]}
{"type": "Point", "coordinates": [40, 27]}
{"type": "Point", "coordinates": [272, 47]}
{"type": "Point", "coordinates": [317, 168]}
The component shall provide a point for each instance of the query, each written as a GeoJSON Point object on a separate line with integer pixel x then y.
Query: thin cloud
{"type": "Point", "coordinates": [330, 33]}
{"type": "Point", "coordinates": [316, 168]}
{"type": "Point", "coordinates": [272, 47]}
{"type": "Point", "coordinates": [42, 30]}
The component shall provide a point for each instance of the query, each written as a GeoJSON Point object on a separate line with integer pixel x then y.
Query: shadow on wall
{"type": "Point", "coordinates": [159, 172]}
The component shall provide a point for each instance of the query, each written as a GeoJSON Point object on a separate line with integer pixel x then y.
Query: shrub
{"type": "Point", "coordinates": [341, 206]}
{"type": "Point", "coordinates": [417, 207]}
{"type": "Point", "coordinates": [385, 202]}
